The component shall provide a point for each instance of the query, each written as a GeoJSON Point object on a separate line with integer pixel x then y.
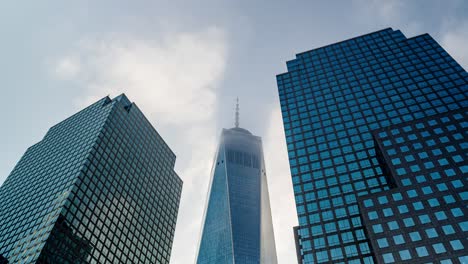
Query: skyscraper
{"type": "Point", "coordinates": [98, 188]}
{"type": "Point", "coordinates": [376, 134]}
{"type": "Point", "coordinates": [238, 226]}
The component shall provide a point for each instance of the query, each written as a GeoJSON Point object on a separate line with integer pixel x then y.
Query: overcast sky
{"type": "Point", "coordinates": [184, 63]}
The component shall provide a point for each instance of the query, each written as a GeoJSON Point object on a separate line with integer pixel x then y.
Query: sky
{"type": "Point", "coordinates": [184, 63]}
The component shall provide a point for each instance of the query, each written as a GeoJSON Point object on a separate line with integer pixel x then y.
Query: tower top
{"type": "Point", "coordinates": [237, 113]}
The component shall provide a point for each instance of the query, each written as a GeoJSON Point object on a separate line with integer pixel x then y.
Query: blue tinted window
{"type": "Point", "coordinates": [415, 236]}
{"type": "Point", "coordinates": [388, 258]}
{"type": "Point", "coordinates": [456, 245]}
{"type": "Point", "coordinates": [383, 243]}
{"type": "Point", "coordinates": [405, 254]}
{"type": "Point", "coordinates": [422, 251]}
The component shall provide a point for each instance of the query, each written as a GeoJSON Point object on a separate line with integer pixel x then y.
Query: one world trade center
{"type": "Point", "coordinates": [237, 224]}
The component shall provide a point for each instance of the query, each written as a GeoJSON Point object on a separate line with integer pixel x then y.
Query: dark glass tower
{"type": "Point", "coordinates": [238, 226]}
{"type": "Point", "coordinates": [99, 188]}
{"type": "Point", "coordinates": [350, 110]}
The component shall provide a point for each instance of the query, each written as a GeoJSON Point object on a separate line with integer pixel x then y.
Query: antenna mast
{"type": "Point", "coordinates": [237, 113]}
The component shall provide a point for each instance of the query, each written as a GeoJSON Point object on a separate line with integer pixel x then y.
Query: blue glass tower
{"type": "Point", "coordinates": [337, 101]}
{"type": "Point", "coordinates": [98, 188]}
{"type": "Point", "coordinates": [238, 226]}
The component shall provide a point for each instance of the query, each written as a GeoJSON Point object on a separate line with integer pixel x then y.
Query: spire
{"type": "Point", "coordinates": [237, 113]}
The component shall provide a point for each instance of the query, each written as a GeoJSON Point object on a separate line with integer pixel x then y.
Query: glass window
{"type": "Point", "coordinates": [383, 243]}
{"type": "Point", "coordinates": [377, 228]}
{"type": "Point", "coordinates": [343, 224]}
{"type": "Point", "coordinates": [456, 245]}
{"type": "Point", "coordinates": [424, 219]}
{"type": "Point", "coordinates": [457, 184]}
{"type": "Point", "coordinates": [448, 229]}
{"type": "Point", "coordinates": [431, 233]}
{"type": "Point", "coordinates": [330, 227]}
{"type": "Point", "coordinates": [333, 240]}
{"type": "Point", "coordinates": [408, 222]}
{"type": "Point", "coordinates": [360, 234]}
{"type": "Point", "coordinates": [372, 215]}
{"type": "Point", "coordinates": [429, 165]}
{"type": "Point", "coordinates": [449, 199]}
{"type": "Point", "coordinates": [383, 200]}
{"type": "Point", "coordinates": [364, 248]}
{"type": "Point", "coordinates": [347, 237]}
{"type": "Point", "coordinates": [387, 212]}
{"type": "Point", "coordinates": [368, 203]}
{"type": "Point", "coordinates": [397, 197]}
{"type": "Point", "coordinates": [427, 190]}
{"type": "Point", "coordinates": [422, 251]}
{"type": "Point", "coordinates": [317, 230]}
{"type": "Point", "coordinates": [433, 202]}
{"type": "Point", "coordinates": [309, 258]}
{"type": "Point", "coordinates": [306, 245]}
{"type": "Point", "coordinates": [405, 254]}
{"type": "Point", "coordinates": [464, 226]}
{"type": "Point", "coordinates": [412, 193]}
{"type": "Point", "coordinates": [415, 236]}
{"type": "Point", "coordinates": [393, 225]}
{"type": "Point", "coordinates": [415, 168]}
{"type": "Point", "coordinates": [402, 209]}
{"type": "Point", "coordinates": [439, 248]}
{"type": "Point", "coordinates": [388, 258]}
{"type": "Point", "coordinates": [398, 239]}
{"type": "Point", "coordinates": [351, 250]}
{"type": "Point", "coordinates": [442, 187]}
{"type": "Point", "coordinates": [420, 178]}
{"type": "Point", "coordinates": [440, 215]}
{"type": "Point", "coordinates": [336, 253]}
{"type": "Point", "coordinates": [319, 243]}
{"type": "Point", "coordinates": [409, 158]}
{"type": "Point", "coordinates": [456, 212]}
{"type": "Point", "coordinates": [435, 175]}
{"type": "Point", "coordinates": [322, 256]}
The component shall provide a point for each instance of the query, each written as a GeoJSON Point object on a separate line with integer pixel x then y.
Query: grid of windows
{"type": "Point", "coordinates": [332, 98]}
{"type": "Point", "coordinates": [429, 203]}
{"type": "Point", "coordinates": [243, 158]}
{"type": "Point", "coordinates": [99, 188]}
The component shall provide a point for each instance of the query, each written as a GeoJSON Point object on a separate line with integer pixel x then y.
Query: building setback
{"type": "Point", "coordinates": [423, 217]}
{"type": "Point", "coordinates": [338, 103]}
{"type": "Point", "coordinates": [237, 225]}
{"type": "Point", "coordinates": [99, 188]}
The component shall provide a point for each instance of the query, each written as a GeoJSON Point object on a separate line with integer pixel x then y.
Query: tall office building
{"type": "Point", "coordinates": [376, 134]}
{"type": "Point", "coordinates": [98, 188]}
{"type": "Point", "coordinates": [238, 226]}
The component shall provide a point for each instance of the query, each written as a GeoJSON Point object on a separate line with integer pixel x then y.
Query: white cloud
{"type": "Point", "coordinates": [67, 67]}
{"type": "Point", "coordinates": [386, 10]}
{"type": "Point", "coordinates": [455, 41]}
{"type": "Point", "coordinates": [387, 13]}
{"type": "Point", "coordinates": [174, 81]}
{"type": "Point", "coordinates": [172, 78]}
{"type": "Point", "coordinates": [280, 188]}
{"type": "Point", "coordinates": [389, 10]}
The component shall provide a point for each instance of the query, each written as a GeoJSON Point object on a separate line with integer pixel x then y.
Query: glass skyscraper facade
{"type": "Point", "coordinates": [237, 225]}
{"type": "Point", "coordinates": [424, 217]}
{"type": "Point", "coordinates": [342, 106]}
{"type": "Point", "coordinates": [98, 188]}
